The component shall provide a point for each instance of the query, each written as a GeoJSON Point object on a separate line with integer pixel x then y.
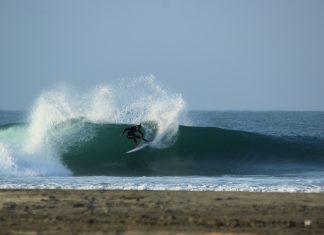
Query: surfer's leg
{"type": "Point", "coordinates": [135, 140]}
{"type": "Point", "coordinates": [136, 137]}
{"type": "Point", "coordinates": [132, 137]}
{"type": "Point", "coordinates": [141, 138]}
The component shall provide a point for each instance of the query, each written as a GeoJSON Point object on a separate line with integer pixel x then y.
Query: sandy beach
{"type": "Point", "coordinates": [159, 212]}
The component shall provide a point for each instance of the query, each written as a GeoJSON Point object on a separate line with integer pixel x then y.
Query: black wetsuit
{"type": "Point", "coordinates": [132, 133]}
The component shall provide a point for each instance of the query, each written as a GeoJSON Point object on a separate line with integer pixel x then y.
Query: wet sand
{"type": "Point", "coordinates": [159, 212]}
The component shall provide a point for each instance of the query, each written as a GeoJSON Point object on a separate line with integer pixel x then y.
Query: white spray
{"type": "Point", "coordinates": [130, 101]}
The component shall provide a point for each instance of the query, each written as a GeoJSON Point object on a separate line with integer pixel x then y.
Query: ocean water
{"type": "Point", "coordinates": [73, 141]}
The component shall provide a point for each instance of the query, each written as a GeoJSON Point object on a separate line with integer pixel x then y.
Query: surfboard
{"type": "Point", "coordinates": [139, 147]}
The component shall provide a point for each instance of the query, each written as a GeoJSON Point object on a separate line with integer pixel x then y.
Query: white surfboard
{"type": "Point", "coordinates": [139, 147]}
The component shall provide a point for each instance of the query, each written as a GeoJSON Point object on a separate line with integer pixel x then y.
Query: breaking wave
{"type": "Point", "coordinates": [69, 133]}
{"type": "Point", "coordinates": [99, 149]}
{"type": "Point", "coordinates": [59, 120]}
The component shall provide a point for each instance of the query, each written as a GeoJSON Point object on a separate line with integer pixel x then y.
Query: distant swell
{"type": "Point", "coordinates": [197, 151]}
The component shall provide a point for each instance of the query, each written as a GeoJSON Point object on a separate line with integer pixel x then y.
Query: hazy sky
{"type": "Point", "coordinates": [220, 54]}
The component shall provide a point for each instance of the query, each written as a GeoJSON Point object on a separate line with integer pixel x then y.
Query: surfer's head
{"type": "Point", "coordinates": [139, 126]}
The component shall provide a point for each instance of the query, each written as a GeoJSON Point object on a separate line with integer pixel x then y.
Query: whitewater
{"type": "Point", "coordinates": [73, 139]}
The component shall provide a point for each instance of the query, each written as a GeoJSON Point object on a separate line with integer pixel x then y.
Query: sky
{"type": "Point", "coordinates": [219, 54]}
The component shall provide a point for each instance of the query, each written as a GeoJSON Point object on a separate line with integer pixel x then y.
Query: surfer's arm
{"type": "Point", "coordinates": [141, 133]}
{"type": "Point", "coordinates": [126, 129]}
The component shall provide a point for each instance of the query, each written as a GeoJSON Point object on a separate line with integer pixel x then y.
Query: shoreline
{"type": "Point", "coordinates": [59, 211]}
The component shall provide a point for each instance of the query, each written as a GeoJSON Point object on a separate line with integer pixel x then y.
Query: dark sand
{"type": "Point", "coordinates": [159, 212]}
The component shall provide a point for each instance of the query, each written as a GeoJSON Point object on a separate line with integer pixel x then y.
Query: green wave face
{"type": "Point", "coordinates": [78, 147]}
{"type": "Point", "coordinates": [195, 151]}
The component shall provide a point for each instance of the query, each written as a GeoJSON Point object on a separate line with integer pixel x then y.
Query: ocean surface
{"type": "Point", "coordinates": [73, 142]}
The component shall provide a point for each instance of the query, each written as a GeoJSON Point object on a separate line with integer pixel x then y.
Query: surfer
{"type": "Point", "coordinates": [134, 133]}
